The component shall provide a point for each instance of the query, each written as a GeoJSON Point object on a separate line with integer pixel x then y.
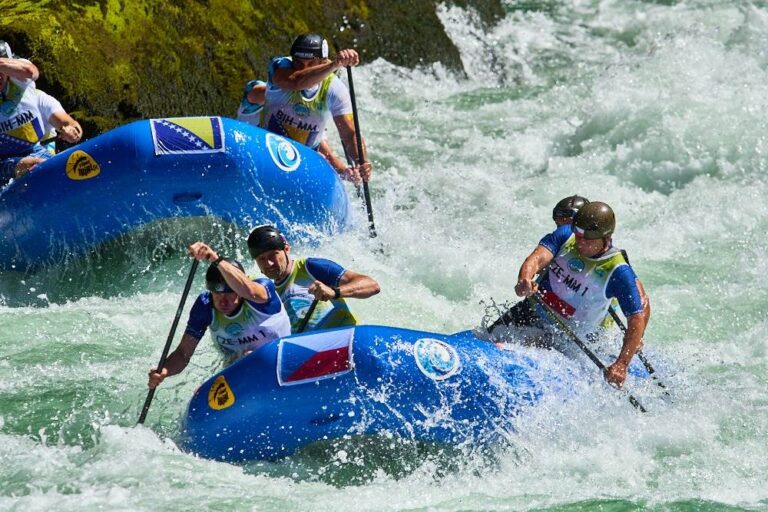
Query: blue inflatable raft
{"type": "Point", "coordinates": [446, 389]}
{"type": "Point", "coordinates": [162, 168]}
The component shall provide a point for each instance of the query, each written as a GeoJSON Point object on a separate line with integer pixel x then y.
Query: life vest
{"type": "Point", "coordinates": [293, 115]}
{"type": "Point", "coordinates": [294, 291]}
{"type": "Point", "coordinates": [24, 115]}
{"type": "Point", "coordinates": [577, 286]}
{"type": "Point", "coordinates": [247, 330]}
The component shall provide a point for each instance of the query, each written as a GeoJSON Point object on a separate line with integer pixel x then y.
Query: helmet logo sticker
{"type": "Point", "coordinates": [81, 166]}
{"type": "Point", "coordinates": [283, 152]}
{"type": "Point", "coordinates": [436, 359]}
{"type": "Point", "coordinates": [220, 395]}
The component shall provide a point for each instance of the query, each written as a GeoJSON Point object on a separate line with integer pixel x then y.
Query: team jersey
{"type": "Point", "coordinates": [24, 118]}
{"type": "Point", "coordinates": [580, 289]}
{"type": "Point", "coordinates": [303, 115]}
{"type": "Point", "coordinates": [294, 291]}
{"type": "Point", "coordinates": [250, 327]}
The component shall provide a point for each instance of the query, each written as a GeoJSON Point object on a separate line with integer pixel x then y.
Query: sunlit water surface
{"type": "Point", "coordinates": [658, 108]}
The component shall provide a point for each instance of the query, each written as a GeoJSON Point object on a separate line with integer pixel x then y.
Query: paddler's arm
{"type": "Point", "coordinates": [346, 126]}
{"type": "Point", "coordinates": [240, 283]}
{"type": "Point", "coordinates": [339, 165]}
{"type": "Point", "coordinates": [351, 285]}
{"type": "Point", "coordinates": [20, 69]}
{"type": "Point", "coordinates": [290, 79]}
{"type": "Point", "coordinates": [258, 93]}
{"type": "Point", "coordinates": [67, 128]}
{"type": "Point", "coordinates": [533, 264]}
{"type": "Point", "coordinates": [176, 362]}
{"type": "Point", "coordinates": [616, 373]}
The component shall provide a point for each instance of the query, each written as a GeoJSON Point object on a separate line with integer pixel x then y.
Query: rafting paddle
{"type": "Point", "coordinates": [187, 286]}
{"type": "Point", "coordinates": [360, 158]}
{"type": "Point", "coordinates": [536, 300]}
{"type": "Point", "coordinates": [648, 366]}
{"type": "Point", "coordinates": [305, 320]}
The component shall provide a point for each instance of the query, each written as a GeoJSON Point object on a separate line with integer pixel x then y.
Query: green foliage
{"type": "Point", "coordinates": [111, 61]}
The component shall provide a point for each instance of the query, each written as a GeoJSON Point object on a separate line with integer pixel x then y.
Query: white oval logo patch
{"type": "Point", "coordinates": [436, 359]}
{"type": "Point", "coordinates": [283, 152]}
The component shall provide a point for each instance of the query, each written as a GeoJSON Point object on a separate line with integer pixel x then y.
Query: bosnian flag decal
{"type": "Point", "coordinates": [314, 356]}
{"type": "Point", "coordinates": [186, 135]}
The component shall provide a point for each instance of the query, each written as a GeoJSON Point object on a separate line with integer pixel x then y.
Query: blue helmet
{"type": "Point", "coordinates": [265, 238]}
{"type": "Point", "coordinates": [214, 280]}
{"type": "Point", "coordinates": [568, 206]}
{"type": "Point", "coordinates": [309, 46]}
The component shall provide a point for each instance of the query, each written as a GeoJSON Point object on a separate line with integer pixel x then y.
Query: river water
{"type": "Point", "coordinates": [658, 108]}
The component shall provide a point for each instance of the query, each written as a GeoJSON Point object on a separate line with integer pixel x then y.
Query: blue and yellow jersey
{"type": "Point", "coordinates": [297, 299]}
{"type": "Point", "coordinates": [251, 326]}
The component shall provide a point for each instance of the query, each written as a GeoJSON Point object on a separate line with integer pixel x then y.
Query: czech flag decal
{"type": "Point", "coordinates": [180, 135]}
{"type": "Point", "coordinates": [314, 357]}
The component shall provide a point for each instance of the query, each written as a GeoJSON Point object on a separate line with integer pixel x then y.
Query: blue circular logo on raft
{"type": "Point", "coordinates": [283, 152]}
{"type": "Point", "coordinates": [576, 264]}
{"type": "Point", "coordinates": [436, 359]}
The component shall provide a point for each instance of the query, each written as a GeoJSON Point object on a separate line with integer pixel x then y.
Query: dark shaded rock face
{"type": "Point", "coordinates": [111, 61]}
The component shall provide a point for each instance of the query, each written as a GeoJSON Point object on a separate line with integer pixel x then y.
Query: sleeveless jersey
{"type": "Point", "coordinates": [303, 115]}
{"type": "Point", "coordinates": [294, 292]}
{"type": "Point", "coordinates": [24, 114]}
{"type": "Point", "coordinates": [252, 326]}
{"type": "Point", "coordinates": [576, 286]}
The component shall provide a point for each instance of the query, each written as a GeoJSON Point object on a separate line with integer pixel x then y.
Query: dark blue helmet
{"type": "Point", "coordinates": [568, 206]}
{"type": "Point", "coordinates": [309, 46]}
{"type": "Point", "coordinates": [214, 280]}
{"type": "Point", "coordinates": [265, 238]}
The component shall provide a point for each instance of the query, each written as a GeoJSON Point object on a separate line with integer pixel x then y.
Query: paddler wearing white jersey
{"type": "Point", "coordinates": [584, 273]}
{"type": "Point", "coordinates": [242, 314]}
{"type": "Point", "coordinates": [249, 111]}
{"type": "Point", "coordinates": [303, 94]}
{"type": "Point", "coordinates": [26, 114]}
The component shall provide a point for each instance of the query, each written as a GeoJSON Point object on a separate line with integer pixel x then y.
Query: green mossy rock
{"type": "Point", "coordinates": [112, 61]}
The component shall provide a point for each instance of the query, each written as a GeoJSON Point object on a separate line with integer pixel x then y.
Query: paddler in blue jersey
{"type": "Point", "coordinates": [26, 116]}
{"type": "Point", "coordinates": [584, 273]}
{"type": "Point", "coordinates": [522, 314]}
{"type": "Point", "coordinates": [301, 281]}
{"type": "Point", "coordinates": [303, 93]}
{"type": "Point", "coordinates": [242, 314]}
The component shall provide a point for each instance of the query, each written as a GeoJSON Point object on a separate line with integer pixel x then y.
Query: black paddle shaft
{"type": "Point", "coordinates": [305, 320]}
{"type": "Point", "coordinates": [166, 349]}
{"type": "Point", "coordinates": [591, 355]}
{"type": "Point", "coordinates": [360, 157]}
